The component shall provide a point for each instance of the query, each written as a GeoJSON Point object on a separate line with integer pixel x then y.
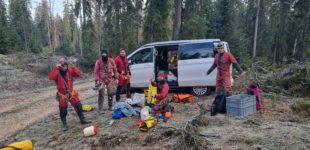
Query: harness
{"type": "Point", "coordinates": [68, 94]}
{"type": "Point", "coordinates": [105, 69]}
{"type": "Point", "coordinates": [219, 62]}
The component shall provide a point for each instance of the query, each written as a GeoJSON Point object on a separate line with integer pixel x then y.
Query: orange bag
{"type": "Point", "coordinates": [177, 98]}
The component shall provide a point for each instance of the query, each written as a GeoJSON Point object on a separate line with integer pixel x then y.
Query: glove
{"type": "Point", "coordinates": [208, 72]}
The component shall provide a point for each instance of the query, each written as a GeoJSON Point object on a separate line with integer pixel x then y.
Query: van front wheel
{"type": "Point", "coordinates": [201, 90]}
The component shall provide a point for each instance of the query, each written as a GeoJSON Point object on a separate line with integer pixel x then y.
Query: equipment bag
{"type": "Point", "coordinates": [177, 98]}
{"type": "Point", "coordinates": [219, 103]}
{"type": "Point", "coordinates": [87, 108]}
{"type": "Point", "coordinates": [152, 91]}
{"type": "Point", "coordinates": [255, 90]}
{"type": "Point", "coordinates": [22, 145]}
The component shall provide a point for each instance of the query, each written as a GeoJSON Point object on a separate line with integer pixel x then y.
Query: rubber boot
{"type": "Point", "coordinates": [164, 117]}
{"type": "Point", "coordinates": [64, 125]}
{"type": "Point", "coordinates": [80, 114]}
{"type": "Point", "coordinates": [63, 114]}
{"type": "Point", "coordinates": [110, 102]}
{"type": "Point", "coordinates": [118, 93]}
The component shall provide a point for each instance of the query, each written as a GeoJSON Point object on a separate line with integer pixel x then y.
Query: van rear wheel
{"type": "Point", "coordinates": [201, 91]}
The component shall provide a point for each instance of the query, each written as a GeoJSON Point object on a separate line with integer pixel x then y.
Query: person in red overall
{"type": "Point", "coordinates": [122, 66]}
{"type": "Point", "coordinates": [222, 62]}
{"type": "Point", "coordinates": [161, 105]}
{"type": "Point", "coordinates": [63, 75]}
{"type": "Point", "coordinates": [104, 69]}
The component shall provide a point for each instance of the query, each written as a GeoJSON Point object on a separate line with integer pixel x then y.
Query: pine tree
{"type": "Point", "coordinates": [224, 20]}
{"type": "Point", "coordinates": [4, 30]}
{"type": "Point", "coordinates": [279, 23]}
{"type": "Point", "coordinates": [195, 18]}
{"type": "Point", "coordinates": [42, 23]}
{"type": "Point", "coordinates": [302, 16]}
{"type": "Point", "coordinates": [122, 25]}
{"type": "Point", "coordinates": [156, 25]}
{"type": "Point", "coordinates": [68, 37]}
{"type": "Point", "coordinates": [20, 21]}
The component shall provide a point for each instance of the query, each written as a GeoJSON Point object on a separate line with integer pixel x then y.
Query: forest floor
{"type": "Point", "coordinates": [32, 114]}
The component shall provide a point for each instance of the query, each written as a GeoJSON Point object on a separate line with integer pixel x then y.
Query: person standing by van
{"type": "Point", "coordinates": [122, 67]}
{"type": "Point", "coordinates": [104, 69]}
{"type": "Point", "coordinates": [222, 62]}
{"type": "Point", "coordinates": [62, 74]}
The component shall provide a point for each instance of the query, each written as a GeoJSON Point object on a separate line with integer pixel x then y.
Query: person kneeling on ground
{"type": "Point", "coordinates": [62, 74]}
{"type": "Point", "coordinates": [161, 106]}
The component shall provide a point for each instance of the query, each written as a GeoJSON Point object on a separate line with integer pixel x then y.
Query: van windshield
{"type": "Point", "coordinates": [196, 51]}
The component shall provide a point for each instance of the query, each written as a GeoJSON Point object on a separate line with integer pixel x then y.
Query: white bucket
{"type": "Point", "coordinates": [144, 113]}
{"type": "Point", "coordinates": [92, 130]}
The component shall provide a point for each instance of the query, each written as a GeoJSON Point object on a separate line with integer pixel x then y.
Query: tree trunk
{"type": "Point", "coordinates": [304, 34]}
{"type": "Point", "coordinates": [49, 14]}
{"type": "Point", "coordinates": [138, 21]}
{"type": "Point", "coordinates": [24, 30]}
{"type": "Point", "coordinates": [274, 54]}
{"type": "Point", "coordinates": [99, 27]}
{"type": "Point", "coordinates": [81, 33]}
{"type": "Point", "coordinates": [256, 28]}
{"type": "Point", "coordinates": [177, 19]}
{"type": "Point", "coordinates": [295, 44]}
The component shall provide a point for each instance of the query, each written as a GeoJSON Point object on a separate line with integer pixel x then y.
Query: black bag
{"type": "Point", "coordinates": [219, 104]}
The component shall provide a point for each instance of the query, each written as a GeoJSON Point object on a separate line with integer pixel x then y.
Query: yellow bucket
{"type": "Point", "coordinates": [23, 145]}
{"type": "Point", "coordinates": [152, 91]}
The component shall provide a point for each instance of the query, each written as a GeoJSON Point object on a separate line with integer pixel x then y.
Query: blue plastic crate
{"type": "Point", "coordinates": [240, 105]}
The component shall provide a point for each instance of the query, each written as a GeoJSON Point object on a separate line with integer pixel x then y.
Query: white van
{"type": "Point", "coordinates": [185, 62]}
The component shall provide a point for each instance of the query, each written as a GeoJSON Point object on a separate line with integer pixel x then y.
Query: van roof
{"type": "Point", "coordinates": [181, 42]}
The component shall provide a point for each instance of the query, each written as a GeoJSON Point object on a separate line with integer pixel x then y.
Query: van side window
{"type": "Point", "coordinates": [143, 56]}
{"type": "Point", "coordinates": [196, 51]}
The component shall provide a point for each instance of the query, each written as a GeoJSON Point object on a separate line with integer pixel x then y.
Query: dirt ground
{"type": "Point", "coordinates": [29, 111]}
{"type": "Point", "coordinates": [275, 127]}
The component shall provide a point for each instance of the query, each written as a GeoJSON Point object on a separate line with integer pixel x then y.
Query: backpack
{"type": "Point", "coordinates": [219, 103]}
{"type": "Point", "coordinates": [255, 90]}
{"type": "Point", "coordinates": [177, 98]}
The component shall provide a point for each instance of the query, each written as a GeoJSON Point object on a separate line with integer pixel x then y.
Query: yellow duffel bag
{"type": "Point", "coordinates": [150, 121]}
{"type": "Point", "coordinates": [152, 91]}
{"type": "Point", "coordinates": [22, 145]}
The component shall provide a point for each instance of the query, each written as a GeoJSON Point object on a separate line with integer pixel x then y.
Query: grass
{"type": "Point", "coordinates": [246, 140]}
{"type": "Point", "coordinates": [302, 106]}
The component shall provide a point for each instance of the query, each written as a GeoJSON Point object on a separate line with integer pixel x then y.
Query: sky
{"type": "Point", "coordinates": [57, 6]}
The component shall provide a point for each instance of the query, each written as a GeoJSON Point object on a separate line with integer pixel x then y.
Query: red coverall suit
{"type": "Point", "coordinates": [222, 62]}
{"type": "Point", "coordinates": [103, 73]}
{"type": "Point", "coordinates": [161, 96]}
{"type": "Point", "coordinates": [66, 93]}
{"type": "Point", "coordinates": [124, 78]}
